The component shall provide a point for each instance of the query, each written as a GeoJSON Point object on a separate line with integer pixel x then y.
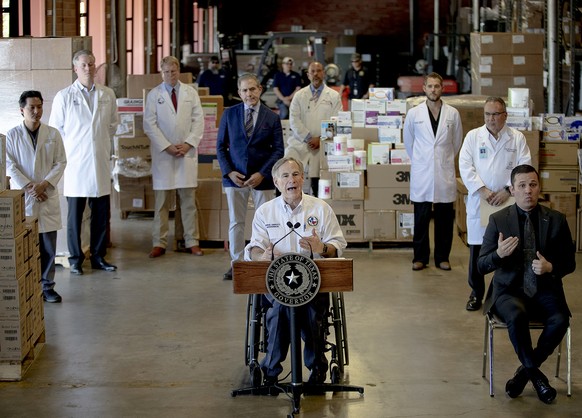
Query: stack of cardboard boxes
{"type": "Point", "coordinates": [21, 304]}
{"type": "Point", "coordinates": [503, 60]}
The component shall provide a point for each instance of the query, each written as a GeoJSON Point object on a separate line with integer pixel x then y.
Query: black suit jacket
{"type": "Point", "coordinates": [555, 244]}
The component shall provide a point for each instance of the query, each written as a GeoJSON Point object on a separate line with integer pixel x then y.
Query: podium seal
{"type": "Point", "coordinates": [293, 279]}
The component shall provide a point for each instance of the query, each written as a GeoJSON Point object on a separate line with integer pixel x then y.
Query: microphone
{"type": "Point", "coordinates": [290, 225]}
{"type": "Point", "coordinates": [293, 229]}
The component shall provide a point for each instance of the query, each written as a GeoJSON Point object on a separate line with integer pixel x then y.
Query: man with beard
{"type": "Point", "coordinates": [433, 135]}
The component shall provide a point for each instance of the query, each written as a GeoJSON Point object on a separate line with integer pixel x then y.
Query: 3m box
{"type": "Point", "coordinates": [380, 225]}
{"type": "Point", "coordinates": [12, 213]}
{"type": "Point", "coordinates": [387, 175]}
{"type": "Point", "coordinates": [350, 215]}
{"type": "Point", "coordinates": [388, 198]}
{"type": "Point", "coordinates": [559, 179]}
{"type": "Point", "coordinates": [348, 186]}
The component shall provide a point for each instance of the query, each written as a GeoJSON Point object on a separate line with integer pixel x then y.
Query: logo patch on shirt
{"type": "Point", "coordinates": [312, 221]}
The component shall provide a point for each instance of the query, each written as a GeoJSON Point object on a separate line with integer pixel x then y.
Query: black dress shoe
{"type": "Point", "coordinates": [101, 264]}
{"type": "Point", "coordinates": [316, 376]}
{"type": "Point", "coordinates": [545, 392]}
{"type": "Point", "coordinates": [51, 296]}
{"type": "Point", "coordinates": [473, 304]}
{"type": "Point", "coordinates": [515, 386]}
{"type": "Point", "coordinates": [228, 274]}
{"type": "Point", "coordinates": [76, 269]}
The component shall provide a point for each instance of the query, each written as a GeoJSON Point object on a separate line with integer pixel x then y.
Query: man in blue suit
{"type": "Point", "coordinates": [530, 249]}
{"type": "Point", "coordinates": [250, 141]}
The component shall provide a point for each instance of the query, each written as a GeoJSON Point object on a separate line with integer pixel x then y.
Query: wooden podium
{"type": "Point", "coordinates": [249, 277]}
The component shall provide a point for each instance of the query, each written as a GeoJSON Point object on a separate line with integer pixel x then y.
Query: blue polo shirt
{"type": "Point", "coordinates": [287, 83]}
{"type": "Point", "coordinates": [216, 83]}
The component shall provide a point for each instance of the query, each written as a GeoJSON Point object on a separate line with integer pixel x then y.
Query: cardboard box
{"type": "Point", "coordinates": [12, 213]}
{"type": "Point", "coordinates": [461, 207]}
{"type": "Point", "coordinates": [209, 222]}
{"type": "Point", "coordinates": [139, 147]}
{"type": "Point", "coordinates": [566, 204]}
{"type": "Point", "coordinates": [13, 298]}
{"type": "Point", "coordinates": [136, 83]}
{"type": "Point", "coordinates": [380, 225]}
{"type": "Point", "coordinates": [387, 175]}
{"type": "Point", "coordinates": [494, 65]}
{"type": "Point", "coordinates": [558, 153]}
{"type": "Point", "coordinates": [348, 186]}
{"type": "Point", "coordinates": [56, 53]}
{"type": "Point", "coordinates": [132, 198]}
{"type": "Point", "coordinates": [15, 54]}
{"type": "Point", "coordinates": [130, 124]}
{"type": "Point", "coordinates": [388, 198]}
{"type": "Point", "coordinates": [532, 139]}
{"type": "Point", "coordinates": [14, 339]}
{"type": "Point", "coordinates": [209, 170]}
{"type": "Point", "coordinates": [350, 215]}
{"type": "Point", "coordinates": [559, 179]}
{"type": "Point", "coordinates": [209, 194]}
{"type": "Point", "coordinates": [499, 43]}
{"type": "Point", "coordinates": [404, 225]}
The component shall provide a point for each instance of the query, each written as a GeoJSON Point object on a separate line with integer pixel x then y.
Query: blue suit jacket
{"type": "Point", "coordinates": [257, 154]}
{"type": "Point", "coordinates": [555, 244]}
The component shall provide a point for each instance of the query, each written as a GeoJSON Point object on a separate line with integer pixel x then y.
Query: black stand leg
{"type": "Point", "coordinates": [296, 387]}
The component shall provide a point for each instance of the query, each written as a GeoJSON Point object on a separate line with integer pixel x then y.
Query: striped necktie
{"type": "Point", "coordinates": [249, 122]}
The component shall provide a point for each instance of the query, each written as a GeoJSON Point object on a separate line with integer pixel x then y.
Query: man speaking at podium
{"type": "Point", "coordinates": [299, 223]}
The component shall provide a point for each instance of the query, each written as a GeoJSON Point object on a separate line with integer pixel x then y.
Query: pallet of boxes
{"type": "Point", "coordinates": [366, 171]}
{"type": "Point", "coordinates": [22, 333]}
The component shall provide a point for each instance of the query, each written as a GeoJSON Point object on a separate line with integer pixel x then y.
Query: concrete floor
{"type": "Point", "coordinates": [165, 338]}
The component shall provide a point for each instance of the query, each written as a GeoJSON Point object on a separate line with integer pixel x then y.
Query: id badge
{"type": "Point", "coordinates": [483, 153]}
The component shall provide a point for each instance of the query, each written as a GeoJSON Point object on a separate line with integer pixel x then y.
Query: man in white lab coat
{"type": "Point", "coordinates": [432, 136]}
{"type": "Point", "coordinates": [174, 123]}
{"type": "Point", "coordinates": [85, 114]}
{"type": "Point", "coordinates": [309, 107]}
{"type": "Point", "coordinates": [35, 162]}
{"type": "Point", "coordinates": [487, 156]}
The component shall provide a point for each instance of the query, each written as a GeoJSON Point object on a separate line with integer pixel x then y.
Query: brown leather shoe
{"type": "Point", "coordinates": [157, 252]}
{"type": "Point", "coordinates": [445, 265]}
{"type": "Point", "coordinates": [195, 250]}
{"type": "Point", "coordinates": [418, 265]}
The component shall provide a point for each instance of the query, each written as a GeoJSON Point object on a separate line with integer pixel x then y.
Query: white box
{"type": "Point", "coordinates": [381, 93]}
{"type": "Point", "coordinates": [517, 97]}
{"type": "Point", "coordinates": [379, 153]}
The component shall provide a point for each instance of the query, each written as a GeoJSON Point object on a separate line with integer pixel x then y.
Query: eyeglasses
{"type": "Point", "coordinates": [494, 114]}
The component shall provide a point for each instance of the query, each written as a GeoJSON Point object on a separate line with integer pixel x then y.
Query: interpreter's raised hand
{"type": "Point", "coordinates": [506, 247]}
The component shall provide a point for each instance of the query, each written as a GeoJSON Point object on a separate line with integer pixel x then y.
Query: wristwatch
{"type": "Point", "coordinates": [324, 249]}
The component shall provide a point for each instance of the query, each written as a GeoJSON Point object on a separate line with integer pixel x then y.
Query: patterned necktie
{"type": "Point", "coordinates": [315, 95]}
{"type": "Point", "coordinates": [529, 253]}
{"type": "Point", "coordinates": [174, 100]}
{"type": "Point", "coordinates": [249, 122]}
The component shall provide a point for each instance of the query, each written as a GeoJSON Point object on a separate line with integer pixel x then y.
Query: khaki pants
{"type": "Point", "coordinates": [189, 217]}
